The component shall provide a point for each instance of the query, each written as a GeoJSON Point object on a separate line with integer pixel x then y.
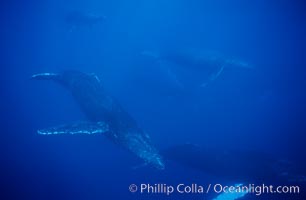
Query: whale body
{"type": "Point", "coordinates": [105, 116]}
{"type": "Point", "coordinates": [234, 164]}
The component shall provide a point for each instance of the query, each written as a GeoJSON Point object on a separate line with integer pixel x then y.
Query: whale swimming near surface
{"type": "Point", "coordinates": [105, 116]}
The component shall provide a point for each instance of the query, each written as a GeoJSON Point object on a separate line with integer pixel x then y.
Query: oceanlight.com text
{"type": "Point", "coordinates": [194, 188]}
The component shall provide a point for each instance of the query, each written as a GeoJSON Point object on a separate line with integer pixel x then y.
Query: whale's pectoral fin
{"type": "Point", "coordinates": [45, 76]}
{"type": "Point", "coordinates": [77, 128]}
{"type": "Point", "coordinates": [213, 76]}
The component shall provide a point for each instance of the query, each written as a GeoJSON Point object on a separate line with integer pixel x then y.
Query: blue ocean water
{"type": "Point", "coordinates": [219, 86]}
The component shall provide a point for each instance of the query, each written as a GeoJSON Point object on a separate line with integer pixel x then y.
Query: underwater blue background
{"type": "Point", "coordinates": [260, 109]}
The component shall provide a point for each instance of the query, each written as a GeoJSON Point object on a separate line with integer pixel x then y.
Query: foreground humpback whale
{"type": "Point", "coordinates": [105, 116]}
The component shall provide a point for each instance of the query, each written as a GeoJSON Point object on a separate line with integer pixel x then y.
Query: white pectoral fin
{"type": "Point", "coordinates": [213, 76]}
{"type": "Point", "coordinates": [77, 128]}
{"type": "Point", "coordinates": [45, 76]}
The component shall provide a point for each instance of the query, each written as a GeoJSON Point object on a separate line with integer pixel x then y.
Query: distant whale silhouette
{"type": "Point", "coordinates": [234, 165]}
{"type": "Point", "coordinates": [105, 116]}
{"type": "Point", "coordinates": [209, 64]}
{"type": "Point", "coordinates": [77, 19]}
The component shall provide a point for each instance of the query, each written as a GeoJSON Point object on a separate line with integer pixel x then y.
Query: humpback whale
{"type": "Point", "coordinates": [77, 19]}
{"type": "Point", "coordinates": [234, 165]}
{"type": "Point", "coordinates": [105, 116]}
{"type": "Point", "coordinates": [207, 64]}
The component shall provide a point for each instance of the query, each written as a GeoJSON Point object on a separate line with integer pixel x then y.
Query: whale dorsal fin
{"type": "Point", "coordinates": [77, 128]}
